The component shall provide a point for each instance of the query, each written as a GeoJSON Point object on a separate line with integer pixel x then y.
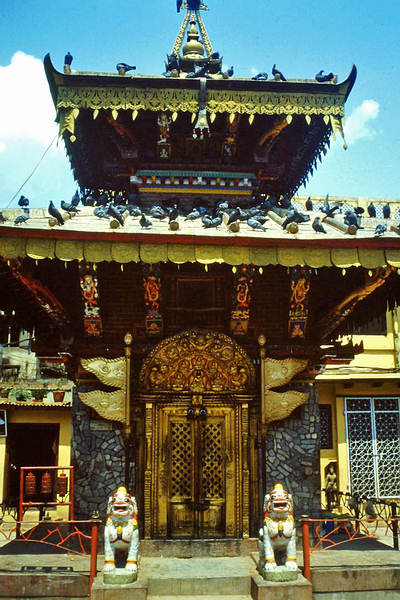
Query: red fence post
{"type": "Point", "coordinates": [306, 548]}
{"type": "Point", "coordinates": [93, 554]}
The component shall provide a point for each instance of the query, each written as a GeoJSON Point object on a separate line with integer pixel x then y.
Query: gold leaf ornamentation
{"type": "Point", "coordinates": [110, 371]}
{"type": "Point", "coordinates": [109, 405]}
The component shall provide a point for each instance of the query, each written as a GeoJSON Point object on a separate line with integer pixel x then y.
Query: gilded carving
{"type": "Point", "coordinates": [280, 372]}
{"type": "Point", "coordinates": [280, 405]}
{"type": "Point", "coordinates": [109, 405]}
{"type": "Point", "coordinates": [198, 362]}
{"type": "Point", "coordinates": [109, 371]}
{"type": "Point", "coordinates": [276, 373]}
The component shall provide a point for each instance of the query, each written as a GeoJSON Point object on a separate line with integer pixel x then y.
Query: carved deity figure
{"type": "Point", "coordinates": [278, 533]}
{"type": "Point", "coordinates": [331, 487]}
{"type": "Point", "coordinates": [121, 531]}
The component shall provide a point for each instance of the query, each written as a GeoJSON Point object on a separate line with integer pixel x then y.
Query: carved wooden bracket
{"type": "Point", "coordinates": [89, 284]}
{"type": "Point", "coordinates": [241, 298]}
{"type": "Point", "coordinates": [300, 283]}
{"type": "Point", "coordinates": [342, 310]}
{"type": "Point", "coordinates": [152, 298]}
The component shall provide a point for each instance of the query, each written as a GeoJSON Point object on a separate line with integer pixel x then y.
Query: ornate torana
{"type": "Point", "coordinates": [198, 362]}
{"type": "Point", "coordinates": [152, 297]}
{"type": "Point", "coordinates": [92, 321]}
{"type": "Point", "coordinates": [241, 298]}
{"type": "Point", "coordinates": [300, 283]}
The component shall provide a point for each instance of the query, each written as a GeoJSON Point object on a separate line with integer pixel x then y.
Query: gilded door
{"type": "Point", "coordinates": [197, 487]}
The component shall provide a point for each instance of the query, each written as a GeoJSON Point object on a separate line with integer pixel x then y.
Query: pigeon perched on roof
{"type": "Point", "coordinates": [193, 215]}
{"type": "Point", "coordinates": [386, 211]}
{"type": "Point", "coordinates": [230, 216]}
{"type": "Point", "coordinates": [317, 225]}
{"type": "Point", "coordinates": [114, 212]}
{"type": "Point", "coordinates": [200, 72]}
{"type": "Point", "coordinates": [261, 76]}
{"type": "Point", "coordinates": [173, 213]}
{"type": "Point", "coordinates": [144, 222]}
{"type": "Point", "coordinates": [228, 73]}
{"type": "Point", "coordinates": [76, 199]}
{"type": "Point", "coordinates": [371, 210]}
{"type": "Point", "coordinates": [123, 68]}
{"type": "Point", "coordinates": [309, 204]}
{"type": "Point", "coordinates": [255, 223]}
{"type": "Point", "coordinates": [69, 208]}
{"type": "Point", "coordinates": [54, 212]}
{"type": "Point", "coordinates": [210, 221]}
{"type": "Point", "coordinates": [278, 76]}
{"type": "Point", "coordinates": [215, 55]}
{"type": "Point", "coordinates": [322, 78]}
{"type": "Point", "coordinates": [351, 218]}
{"type": "Point", "coordinates": [68, 59]}
{"type": "Point", "coordinates": [23, 201]}
{"type": "Point", "coordinates": [102, 200]}
{"type": "Point", "coordinates": [134, 210]}
{"type": "Point", "coordinates": [22, 218]}
{"type": "Point", "coordinates": [380, 229]}
{"type": "Point", "coordinates": [2, 218]}
{"type": "Point", "coordinates": [158, 212]}
{"type": "Point", "coordinates": [178, 5]}
{"type": "Point", "coordinates": [101, 212]}
{"type": "Point", "coordinates": [330, 209]}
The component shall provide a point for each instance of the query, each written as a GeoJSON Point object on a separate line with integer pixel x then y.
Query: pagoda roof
{"type": "Point", "coordinates": [85, 236]}
{"type": "Point", "coordinates": [277, 129]}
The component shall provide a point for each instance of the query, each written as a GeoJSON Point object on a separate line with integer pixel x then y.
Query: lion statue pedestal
{"type": "Point", "coordinates": [121, 535]}
{"type": "Point", "coordinates": [278, 537]}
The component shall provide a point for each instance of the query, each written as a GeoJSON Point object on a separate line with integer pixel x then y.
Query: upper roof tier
{"type": "Point", "coordinates": [202, 120]}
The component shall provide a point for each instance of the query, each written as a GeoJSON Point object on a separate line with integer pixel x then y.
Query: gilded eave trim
{"type": "Point", "coordinates": [186, 100]}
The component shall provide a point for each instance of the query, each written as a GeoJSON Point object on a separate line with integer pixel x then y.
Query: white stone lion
{"type": "Point", "coordinates": [121, 531]}
{"type": "Point", "coordinates": [278, 532]}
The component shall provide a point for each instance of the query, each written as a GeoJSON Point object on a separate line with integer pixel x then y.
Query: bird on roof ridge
{"type": "Point", "coordinates": [324, 78]}
{"type": "Point", "coordinates": [123, 68]}
{"type": "Point", "coordinates": [278, 75]}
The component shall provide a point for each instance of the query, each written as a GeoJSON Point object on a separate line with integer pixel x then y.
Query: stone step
{"type": "Point", "coordinates": [203, 597]}
{"type": "Point", "coordinates": [198, 548]}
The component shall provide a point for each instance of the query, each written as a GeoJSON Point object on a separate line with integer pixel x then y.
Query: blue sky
{"type": "Point", "coordinates": [301, 38]}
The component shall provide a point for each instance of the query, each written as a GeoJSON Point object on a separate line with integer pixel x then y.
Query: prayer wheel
{"type": "Point", "coordinates": [46, 486]}
{"type": "Point", "coordinates": [30, 484]}
{"type": "Point", "coordinates": [62, 484]}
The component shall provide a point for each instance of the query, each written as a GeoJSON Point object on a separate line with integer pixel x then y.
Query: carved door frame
{"type": "Point", "coordinates": [238, 467]}
{"type": "Point", "coordinates": [192, 369]}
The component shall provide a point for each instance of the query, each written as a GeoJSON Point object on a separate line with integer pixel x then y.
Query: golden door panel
{"type": "Point", "coordinates": [196, 474]}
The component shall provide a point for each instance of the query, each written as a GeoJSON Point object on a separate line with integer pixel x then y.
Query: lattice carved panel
{"type": "Point", "coordinates": [361, 454]}
{"type": "Point", "coordinates": [181, 459]}
{"type": "Point", "coordinates": [212, 460]}
{"type": "Point", "coordinates": [388, 451]}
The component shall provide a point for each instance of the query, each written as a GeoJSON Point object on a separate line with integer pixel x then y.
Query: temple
{"type": "Point", "coordinates": [192, 296]}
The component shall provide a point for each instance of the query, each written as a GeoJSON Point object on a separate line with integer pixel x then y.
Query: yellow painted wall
{"type": "Point", "coordinates": [371, 373]}
{"type": "Point", "coordinates": [59, 416]}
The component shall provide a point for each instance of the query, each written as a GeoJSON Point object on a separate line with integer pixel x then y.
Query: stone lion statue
{"type": "Point", "coordinates": [278, 533]}
{"type": "Point", "coordinates": [121, 531]}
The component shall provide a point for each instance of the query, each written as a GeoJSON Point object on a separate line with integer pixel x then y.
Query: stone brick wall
{"type": "Point", "coordinates": [98, 455]}
{"type": "Point", "coordinates": [292, 456]}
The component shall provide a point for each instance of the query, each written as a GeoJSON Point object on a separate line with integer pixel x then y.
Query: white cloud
{"type": "Point", "coordinates": [26, 108]}
{"type": "Point", "coordinates": [357, 125]}
{"type": "Point", "coordinates": [254, 71]}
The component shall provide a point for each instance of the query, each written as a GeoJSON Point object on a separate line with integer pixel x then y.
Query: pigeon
{"type": "Point", "coordinates": [322, 78]}
{"type": "Point", "coordinates": [209, 221]}
{"type": "Point", "coordinates": [173, 213]}
{"type": "Point", "coordinates": [101, 212]}
{"type": "Point", "coordinates": [386, 211]}
{"type": "Point", "coordinates": [286, 202]}
{"type": "Point", "coordinates": [68, 59]}
{"type": "Point", "coordinates": [134, 210]}
{"type": "Point", "coordinates": [260, 77]}
{"type": "Point", "coordinates": [371, 210]}
{"type": "Point", "coordinates": [75, 199]}
{"type": "Point", "coordinates": [215, 56]}
{"type": "Point", "coordinates": [114, 212]}
{"type": "Point", "coordinates": [193, 215]}
{"type": "Point", "coordinates": [278, 76]}
{"type": "Point", "coordinates": [309, 204]}
{"type": "Point", "coordinates": [380, 229]}
{"type": "Point", "coordinates": [144, 222]}
{"type": "Point", "coordinates": [87, 200]}
{"type": "Point", "coordinates": [228, 73]}
{"type": "Point", "coordinates": [317, 225]}
{"type": "Point", "coordinates": [291, 217]}
{"type": "Point", "coordinates": [351, 218]}
{"type": "Point", "coordinates": [359, 210]}
{"type": "Point", "coordinates": [255, 223]}
{"type": "Point", "coordinates": [22, 218]}
{"type": "Point", "coordinates": [123, 68]}
{"type": "Point", "coordinates": [54, 212]}
{"type": "Point", "coordinates": [222, 205]}
{"type": "Point", "coordinates": [157, 212]}
{"type": "Point", "coordinates": [69, 208]}
{"type": "Point", "coordinates": [201, 72]}
{"type": "Point", "coordinates": [178, 5]}
{"type": "Point", "coordinates": [231, 216]}
{"type": "Point", "coordinates": [328, 209]}
{"type": "Point", "coordinates": [23, 201]}
{"type": "Point", "coordinates": [2, 218]}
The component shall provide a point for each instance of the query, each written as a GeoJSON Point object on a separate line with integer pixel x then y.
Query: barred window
{"type": "Point", "coordinates": [325, 415]}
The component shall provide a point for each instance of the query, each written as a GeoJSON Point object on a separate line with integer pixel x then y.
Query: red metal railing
{"type": "Point", "coordinates": [67, 535]}
{"type": "Point", "coordinates": [23, 502]}
{"type": "Point", "coordinates": [330, 533]}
